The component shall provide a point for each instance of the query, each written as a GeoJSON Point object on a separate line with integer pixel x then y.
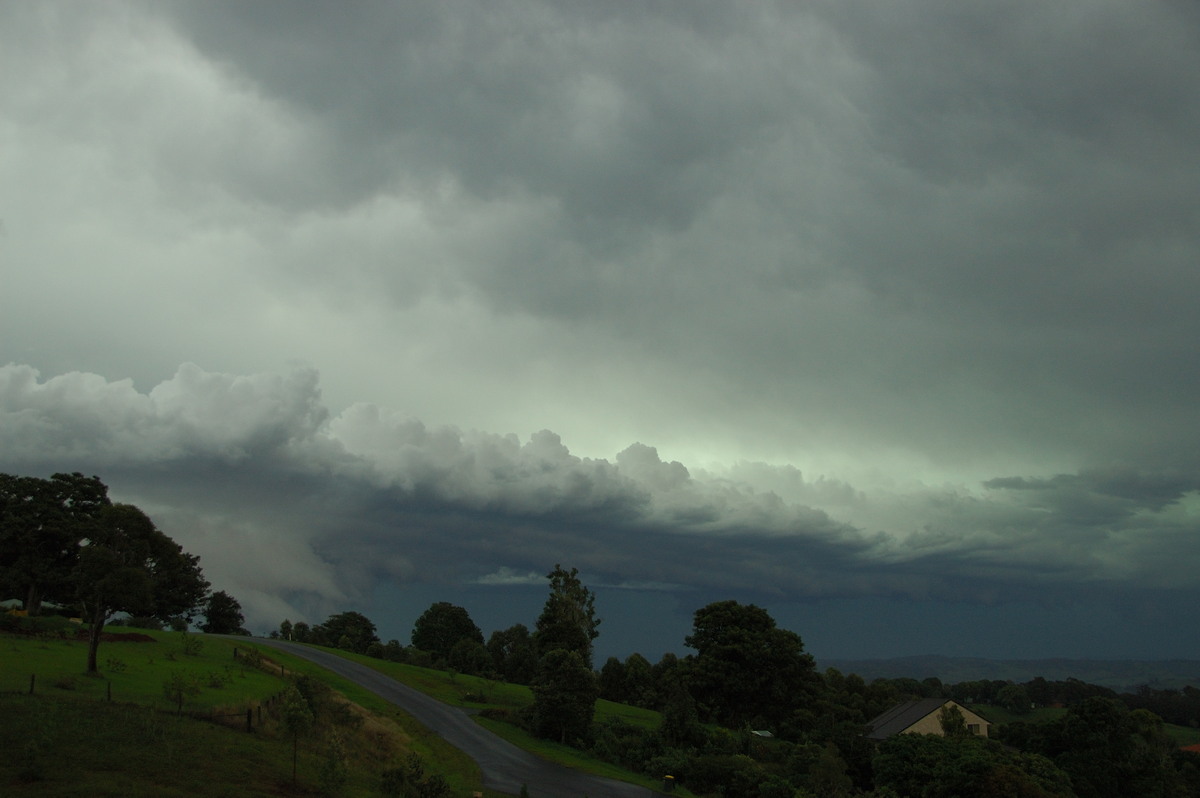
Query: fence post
{"type": "Point", "coordinates": [249, 719]}
{"type": "Point", "coordinates": [32, 680]}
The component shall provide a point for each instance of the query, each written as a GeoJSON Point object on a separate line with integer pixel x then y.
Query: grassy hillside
{"type": "Point", "coordinates": [496, 700]}
{"type": "Point", "coordinates": [118, 732]}
{"type": "Point", "coordinates": [68, 738]}
{"type": "Point", "coordinates": [135, 671]}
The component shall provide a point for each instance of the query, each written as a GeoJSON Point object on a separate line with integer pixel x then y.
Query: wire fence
{"type": "Point", "coordinates": [248, 714]}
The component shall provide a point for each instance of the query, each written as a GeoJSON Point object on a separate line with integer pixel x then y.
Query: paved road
{"type": "Point", "coordinates": [505, 766]}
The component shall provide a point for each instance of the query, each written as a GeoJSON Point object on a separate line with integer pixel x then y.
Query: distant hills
{"type": "Point", "coordinates": [1120, 675]}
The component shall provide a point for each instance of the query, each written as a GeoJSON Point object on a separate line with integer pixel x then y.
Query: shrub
{"type": "Point", "coordinates": [251, 657]}
{"type": "Point", "coordinates": [39, 625]}
{"type": "Point", "coordinates": [50, 625]}
{"type": "Point", "coordinates": [179, 688]}
{"type": "Point", "coordinates": [190, 644]}
{"type": "Point", "coordinates": [672, 762]}
{"type": "Point", "coordinates": [334, 773]}
{"type": "Point", "coordinates": [411, 779]}
{"type": "Point", "coordinates": [624, 744]}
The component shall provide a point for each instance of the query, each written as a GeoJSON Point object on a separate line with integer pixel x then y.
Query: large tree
{"type": "Point", "coordinates": [564, 697]}
{"type": "Point", "coordinates": [127, 565]}
{"type": "Point", "coordinates": [223, 615]}
{"type": "Point", "coordinates": [513, 654]}
{"type": "Point", "coordinates": [42, 522]}
{"type": "Point", "coordinates": [747, 670]}
{"type": "Point", "coordinates": [351, 631]}
{"type": "Point", "coordinates": [565, 688]}
{"type": "Point", "coordinates": [568, 621]}
{"type": "Point", "coordinates": [441, 627]}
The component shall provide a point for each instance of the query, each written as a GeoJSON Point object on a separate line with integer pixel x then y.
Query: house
{"type": "Point", "coordinates": [922, 716]}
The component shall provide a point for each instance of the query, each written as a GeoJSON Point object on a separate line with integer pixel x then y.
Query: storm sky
{"type": "Point", "coordinates": [881, 316]}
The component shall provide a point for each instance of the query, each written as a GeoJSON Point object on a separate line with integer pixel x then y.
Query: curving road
{"type": "Point", "coordinates": [505, 767]}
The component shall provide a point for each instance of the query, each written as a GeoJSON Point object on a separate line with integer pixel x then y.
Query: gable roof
{"type": "Point", "coordinates": [901, 716]}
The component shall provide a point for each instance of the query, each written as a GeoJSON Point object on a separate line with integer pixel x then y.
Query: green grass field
{"type": "Point", "coordinates": [118, 733]}
{"type": "Point", "coordinates": [70, 738]}
{"type": "Point", "coordinates": [135, 672]}
{"type": "Point", "coordinates": [58, 747]}
{"type": "Point", "coordinates": [999, 715]}
{"type": "Point", "coordinates": [1183, 735]}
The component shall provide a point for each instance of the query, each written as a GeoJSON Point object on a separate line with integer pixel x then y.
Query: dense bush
{"type": "Point", "coordinates": [51, 625]}
{"type": "Point", "coordinates": [631, 747]}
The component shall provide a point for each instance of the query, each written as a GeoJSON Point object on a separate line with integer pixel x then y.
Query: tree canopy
{"type": "Point", "coordinates": [513, 654]}
{"type": "Point", "coordinates": [564, 697]}
{"type": "Point", "coordinates": [568, 620]}
{"type": "Point", "coordinates": [565, 688]}
{"type": "Point", "coordinates": [441, 627]}
{"type": "Point", "coordinates": [746, 670]}
{"type": "Point", "coordinates": [127, 565]}
{"type": "Point", "coordinates": [351, 631]}
{"type": "Point", "coordinates": [223, 615]}
{"type": "Point", "coordinates": [42, 523]}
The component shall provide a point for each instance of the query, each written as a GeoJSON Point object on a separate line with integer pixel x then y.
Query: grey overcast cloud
{"type": "Point", "coordinates": [882, 316]}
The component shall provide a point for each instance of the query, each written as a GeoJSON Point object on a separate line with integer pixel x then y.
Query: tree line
{"type": "Point", "coordinates": [748, 714]}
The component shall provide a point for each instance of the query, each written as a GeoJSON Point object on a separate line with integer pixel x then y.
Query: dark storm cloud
{"type": "Point", "coordinates": [899, 221]}
{"type": "Point", "coordinates": [1127, 488]}
{"type": "Point", "coordinates": [909, 292]}
{"type": "Point", "coordinates": [613, 111]}
{"type": "Point", "coordinates": [245, 468]}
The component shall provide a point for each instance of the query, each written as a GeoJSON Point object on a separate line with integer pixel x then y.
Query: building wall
{"type": "Point", "coordinates": [932, 724]}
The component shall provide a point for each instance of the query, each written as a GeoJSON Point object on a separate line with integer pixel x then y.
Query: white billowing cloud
{"type": "Point", "coordinates": [193, 415]}
{"type": "Point", "coordinates": [482, 470]}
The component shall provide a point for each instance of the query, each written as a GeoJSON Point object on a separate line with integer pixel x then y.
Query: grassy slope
{"type": "Point", "coordinates": [459, 770]}
{"type": "Point", "coordinates": [133, 671]}
{"type": "Point", "coordinates": [70, 747]}
{"type": "Point", "coordinates": [67, 739]}
{"type": "Point", "coordinates": [1183, 735]}
{"type": "Point", "coordinates": [473, 692]}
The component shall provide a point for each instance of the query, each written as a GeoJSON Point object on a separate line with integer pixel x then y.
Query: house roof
{"type": "Point", "coordinates": [901, 716]}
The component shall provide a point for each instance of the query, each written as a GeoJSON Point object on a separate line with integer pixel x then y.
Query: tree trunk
{"type": "Point", "coordinates": [97, 626]}
{"type": "Point", "coordinates": [33, 601]}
